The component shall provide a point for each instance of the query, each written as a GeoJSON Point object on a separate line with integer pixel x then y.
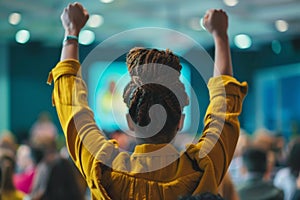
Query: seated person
{"type": "Point", "coordinates": [254, 186]}
{"type": "Point", "coordinates": [7, 166]}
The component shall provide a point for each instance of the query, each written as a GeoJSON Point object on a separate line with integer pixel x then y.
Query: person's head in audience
{"type": "Point", "coordinates": [254, 161]}
{"type": "Point", "coordinates": [62, 182]}
{"type": "Point", "coordinates": [7, 166]}
{"type": "Point", "coordinates": [203, 196]}
{"type": "Point", "coordinates": [293, 160]}
{"type": "Point", "coordinates": [43, 132]}
{"type": "Point", "coordinates": [244, 141]}
{"type": "Point", "coordinates": [8, 140]}
{"type": "Point", "coordinates": [279, 150]}
{"type": "Point", "coordinates": [24, 158]}
{"type": "Point", "coordinates": [264, 139]}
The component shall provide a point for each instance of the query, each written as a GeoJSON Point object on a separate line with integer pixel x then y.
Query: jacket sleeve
{"type": "Point", "coordinates": [215, 149]}
{"type": "Point", "coordinates": [86, 144]}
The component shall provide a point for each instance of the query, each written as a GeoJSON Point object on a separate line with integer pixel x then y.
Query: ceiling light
{"type": "Point", "coordinates": [14, 18]}
{"type": "Point", "coordinates": [22, 36]}
{"type": "Point", "coordinates": [86, 37]}
{"type": "Point", "coordinates": [95, 21]}
{"type": "Point", "coordinates": [242, 41]}
{"type": "Point", "coordinates": [194, 24]}
{"type": "Point", "coordinates": [276, 46]}
{"type": "Point", "coordinates": [281, 25]}
{"type": "Point", "coordinates": [231, 2]}
{"type": "Point", "coordinates": [106, 1]}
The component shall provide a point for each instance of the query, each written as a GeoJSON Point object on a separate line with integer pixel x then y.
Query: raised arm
{"type": "Point", "coordinates": [221, 124]}
{"type": "Point", "coordinates": [73, 19]}
{"type": "Point", "coordinates": [87, 145]}
{"type": "Point", "coordinates": [216, 22]}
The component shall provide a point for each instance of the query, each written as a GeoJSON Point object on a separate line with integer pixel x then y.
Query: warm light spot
{"type": "Point", "coordinates": [281, 25]}
{"type": "Point", "coordinates": [14, 18]}
{"type": "Point", "coordinates": [231, 2]}
{"type": "Point", "coordinates": [95, 21]}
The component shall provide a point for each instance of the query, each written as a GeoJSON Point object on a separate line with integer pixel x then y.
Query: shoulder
{"type": "Point", "coordinates": [283, 174]}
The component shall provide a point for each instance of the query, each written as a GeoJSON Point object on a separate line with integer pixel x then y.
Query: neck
{"type": "Point", "coordinates": [159, 138]}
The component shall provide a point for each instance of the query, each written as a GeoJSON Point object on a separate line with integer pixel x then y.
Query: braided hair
{"type": "Point", "coordinates": [154, 78]}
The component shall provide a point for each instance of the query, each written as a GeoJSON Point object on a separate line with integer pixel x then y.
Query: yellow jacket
{"type": "Point", "coordinates": [12, 195]}
{"type": "Point", "coordinates": [153, 171]}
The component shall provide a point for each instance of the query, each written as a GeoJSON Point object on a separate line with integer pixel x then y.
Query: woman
{"type": "Point", "coordinates": [147, 174]}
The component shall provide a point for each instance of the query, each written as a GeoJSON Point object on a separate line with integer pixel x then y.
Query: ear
{"type": "Point", "coordinates": [130, 123]}
{"type": "Point", "coordinates": [181, 122]}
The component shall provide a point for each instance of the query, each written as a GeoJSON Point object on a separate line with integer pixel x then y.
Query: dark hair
{"type": "Point", "coordinates": [62, 183]}
{"type": "Point", "coordinates": [293, 158]}
{"type": "Point", "coordinates": [203, 196]}
{"type": "Point", "coordinates": [255, 160]}
{"type": "Point", "coordinates": [153, 83]}
{"type": "Point", "coordinates": [7, 166]}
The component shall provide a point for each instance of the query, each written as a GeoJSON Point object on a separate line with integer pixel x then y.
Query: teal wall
{"type": "Point", "coordinates": [4, 89]}
{"type": "Point", "coordinates": [30, 95]}
{"type": "Point", "coordinates": [27, 93]}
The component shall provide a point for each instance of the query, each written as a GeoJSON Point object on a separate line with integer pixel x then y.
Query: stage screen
{"type": "Point", "coordinates": [106, 82]}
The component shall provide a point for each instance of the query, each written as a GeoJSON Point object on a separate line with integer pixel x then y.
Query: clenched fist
{"type": "Point", "coordinates": [73, 18]}
{"type": "Point", "coordinates": [216, 22]}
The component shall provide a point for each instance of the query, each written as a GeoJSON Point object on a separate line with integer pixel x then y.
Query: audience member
{"type": "Point", "coordinates": [266, 140]}
{"type": "Point", "coordinates": [227, 188]}
{"type": "Point", "coordinates": [59, 182]}
{"type": "Point", "coordinates": [7, 166]}
{"type": "Point", "coordinates": [25, 169]}
{"type": "Point", "coordinates": [279, 149]}
{"type": "Point", "coordinates": [43, 130]}
{"type": "Point", "coordinates": [112, 174]}
{"type": "Point", "coordinates": [254, 186]}
{"type": "Point", "coordinates": [203, 196]}
{"type": "Point", "coordinates": [8, 141]}
{"type": "Point", "coordinates": [286, 177]}
{"type": "Point", "coordinates": [296, 195]}
{"type": "Point", "coordinates": [235, 166]}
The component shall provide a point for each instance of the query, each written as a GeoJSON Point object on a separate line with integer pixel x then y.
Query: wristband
{"type": "Point", "coordinates": [70, 37]}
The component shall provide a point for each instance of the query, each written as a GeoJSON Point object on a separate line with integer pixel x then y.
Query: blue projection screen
{"type": "Point", "coordinates": [106, 82]}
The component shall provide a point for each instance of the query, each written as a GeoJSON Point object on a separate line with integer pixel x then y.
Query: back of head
{"type": "Point", "coordinates": [62, 183]}
{"type": "Point", "coordinates": [293, 158]}
{"type": "Point", "coordinates": [255, 160]}
{"type": "Point", "coordinates": [8, 141]}
{"type": "Point", "coordinates": [154, 78]}
{"type": "Point", "coordinates": [7, 166]}
{"type": "Point", "coordinates": [203, 196]}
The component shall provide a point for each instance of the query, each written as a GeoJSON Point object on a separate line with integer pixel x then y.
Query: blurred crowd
{"type": "Point", "coordinates": [37, 168]}
{"type": "Point", "coordinates": [265, 166]}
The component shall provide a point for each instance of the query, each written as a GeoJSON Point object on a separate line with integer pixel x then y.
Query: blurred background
{"type": "Point", "coordinates": [264, 36]}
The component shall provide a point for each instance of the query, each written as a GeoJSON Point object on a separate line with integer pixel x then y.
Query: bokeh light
{"type": "Point", "coordinates": [242, 41]}
{"type": "Point", "coordinates": [22, 36]}
{"type": "Point", "coordinates": [14, 18]}
{"type": "Point", "coordinates": [86, 37]}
